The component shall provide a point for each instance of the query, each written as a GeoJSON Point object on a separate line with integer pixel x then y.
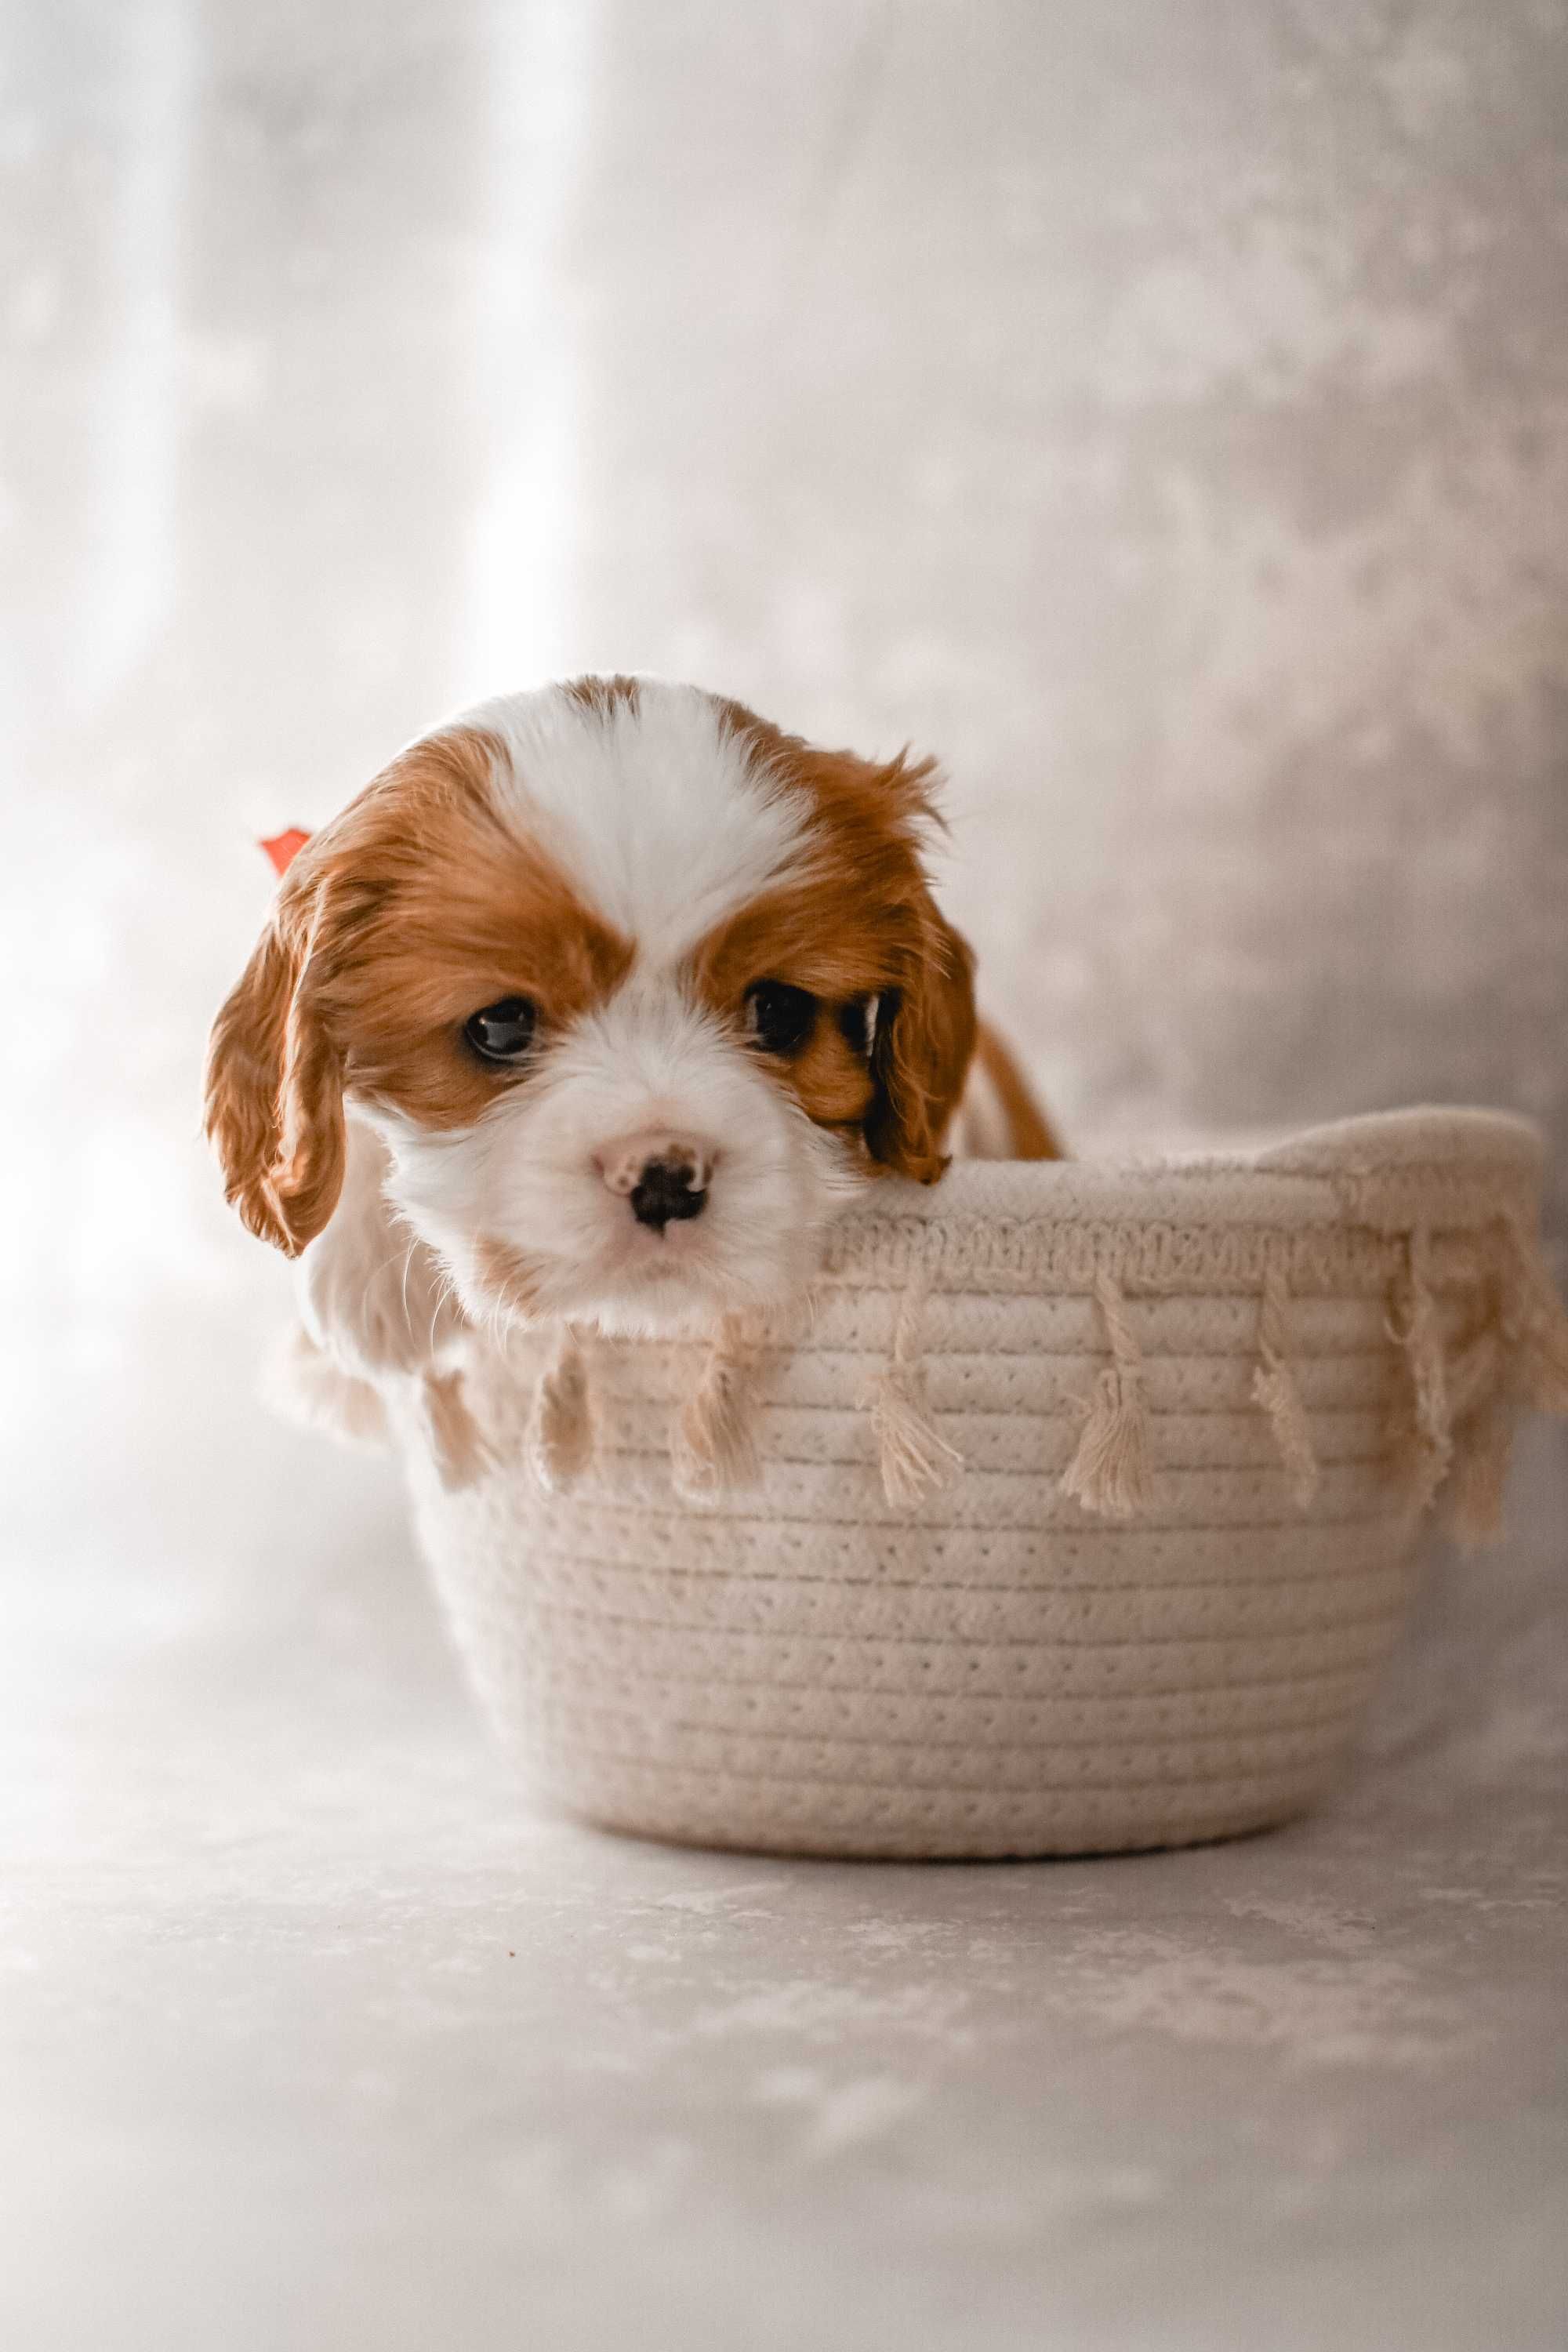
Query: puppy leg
{"type": "Point", "coordinates": [372, 1296]}
{"type": "Point", "coordinates": [376, 1305]}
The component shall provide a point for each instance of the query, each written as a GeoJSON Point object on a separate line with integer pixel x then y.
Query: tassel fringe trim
{"type": "Point", "coordinates": [714, 1446]}
{"type": "Point", "coordinates": [454, 1438]}
{"type": "Point", "coordinates": [560, 1439]}
{"type": "Point", "coordinates": [1273, 1386]}
{"type": "Point", "coordinates": [916, 1459]}
{"type": "Point", "coordinates": [1420, 1434]}
{"type": "Point", "coordinates": [1451, 1426]}
{"type": "Point", "coordinates": [1109, 1472]}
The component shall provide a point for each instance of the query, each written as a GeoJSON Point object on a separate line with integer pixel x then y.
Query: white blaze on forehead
{"type": "Point", "coordinates": [655, 812]}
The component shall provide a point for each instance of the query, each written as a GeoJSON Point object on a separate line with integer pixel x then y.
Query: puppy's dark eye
{"type": "Point", "coordinates": [778, 1018]}
{"type": "Point", "coordinates": [502, 1032]}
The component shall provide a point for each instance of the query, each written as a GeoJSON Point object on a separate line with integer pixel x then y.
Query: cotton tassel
{"type": "Point", "coordinates": [1109, 1472]}
{"type": "Point", "coordinates": [713, 1447]}
{"type": "Point", "coordinates": [1476, 1372]}
{"type": "Point", "coordinates": [1523, 1352]}
{"type": "Point", "coordinates": [454, 1439]}
{"type": "Point", "coordinates": [559, 1444]}
{"type": "Point", "coordinates": [1422, 1432]}
{"type": "Point", "coordinates": [1273, 1386]}
{"type": "Point", "coordinates": [1536, 1313]}
{"type": "Point", "coordinates": [916, 1459]}
{"type": "Point", "coordinates": [1481, 1401]}
{"type": "Point", "coordinates": [1475, 1490]}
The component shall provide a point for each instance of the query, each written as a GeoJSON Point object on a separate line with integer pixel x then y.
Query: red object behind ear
{"type": "Point", "coordinates": [284, 847]}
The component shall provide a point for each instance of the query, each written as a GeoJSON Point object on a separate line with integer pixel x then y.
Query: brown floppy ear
{"type": "Point", "coordinates": [922, 1052]}
{"type": "Point", "coordinates": [275, 1088]}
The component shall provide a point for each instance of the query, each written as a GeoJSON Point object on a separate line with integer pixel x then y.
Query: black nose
{"type": "Point", "coordinates": [666, 1189]}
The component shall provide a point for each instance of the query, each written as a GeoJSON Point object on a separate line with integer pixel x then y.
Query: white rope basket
{"type": "Point", "coordinates": [1077, 1514]}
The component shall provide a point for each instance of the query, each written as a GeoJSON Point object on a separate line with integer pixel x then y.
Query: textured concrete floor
{"type": "Point", "coordinates": [313, 2036]}
{"type": "Point", "coordinates": [1163, 414]}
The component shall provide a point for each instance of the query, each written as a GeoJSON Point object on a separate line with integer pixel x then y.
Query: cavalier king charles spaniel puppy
{"type": "Point", "coordinates": [592, 1008]}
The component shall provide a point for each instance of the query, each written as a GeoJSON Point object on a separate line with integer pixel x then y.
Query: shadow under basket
{"type": "Point", "coordinates": [1077, 1513]}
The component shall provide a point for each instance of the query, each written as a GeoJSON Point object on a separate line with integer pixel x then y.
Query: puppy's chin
{"type": "Point", "coordinates": [674, 1286]}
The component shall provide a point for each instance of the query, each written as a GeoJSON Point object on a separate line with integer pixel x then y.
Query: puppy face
{"type": "Point", "coordinates": [636, 989]}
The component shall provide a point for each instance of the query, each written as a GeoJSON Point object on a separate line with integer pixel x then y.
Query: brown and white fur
{"type": "Point", "coordinates": [630, 858]}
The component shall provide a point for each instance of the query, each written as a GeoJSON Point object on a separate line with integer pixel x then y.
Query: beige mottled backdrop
{"type": "Point", "coordinates": [1158, 408]}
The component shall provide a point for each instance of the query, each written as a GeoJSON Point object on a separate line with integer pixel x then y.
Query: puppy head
{"type": "Point", "coordinates": [634, 987]}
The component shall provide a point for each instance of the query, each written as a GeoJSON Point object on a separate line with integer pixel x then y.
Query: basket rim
{"type": "Point", "coordinates": [1375, 1167]}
